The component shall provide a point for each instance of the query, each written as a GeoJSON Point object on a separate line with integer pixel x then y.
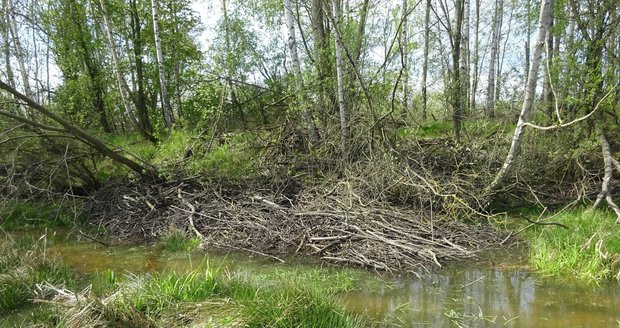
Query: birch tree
{"type": "Point", "coordinates": [427, 12]}
{"type": "Point", "coordinates": [455, 37]}
{"type": "Point", "coordinates": [473, 89]}
{"type": "Point", "coordinates": [120, 78]}
{"type": "Point", "coordinates": [494, 56]}
{"type": "Point", "coordinates": [165, 100]}
{"type": "Point", "coordinates": [6, 43]}
{"type": "Point", "coordinates": [530, 90]}
{"type": "Point", "coordinates": [20, 55]}
{"type": "Point", "coordinates": [292, 47]}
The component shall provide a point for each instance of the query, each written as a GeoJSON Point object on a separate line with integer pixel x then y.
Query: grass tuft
{"type": "Point", "coordinates": [588, 251]}
{"type": "Point", "coordinates": [205, 297]}
{"type": "Point", "coordinates": [23, 266]}
{"type": "Point", "coordinates": [175, 240]}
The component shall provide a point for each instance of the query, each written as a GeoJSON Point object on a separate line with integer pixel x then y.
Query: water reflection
{"type": "Point", "coordinates": [473, 297]}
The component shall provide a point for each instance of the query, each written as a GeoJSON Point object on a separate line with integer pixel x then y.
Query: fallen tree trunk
{"type": "Point", "coordinates": [143, 170]}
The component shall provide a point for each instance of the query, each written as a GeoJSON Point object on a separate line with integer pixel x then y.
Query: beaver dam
{"type": "Point", "coordinates": [290, 221]}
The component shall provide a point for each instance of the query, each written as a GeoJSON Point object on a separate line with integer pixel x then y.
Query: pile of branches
{"type": "Point", "coordinates": [290, 220]}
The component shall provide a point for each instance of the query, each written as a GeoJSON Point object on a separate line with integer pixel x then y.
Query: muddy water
{"type": "Point", "coordinates": [498, 292]}
{"type": "Point", "coordinates": [488, 297]}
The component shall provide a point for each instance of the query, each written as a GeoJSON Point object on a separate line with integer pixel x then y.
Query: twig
{"type": "Point", "coordinates": [93, 239]}
{"type": "Point", "coordinates": [251, 251]}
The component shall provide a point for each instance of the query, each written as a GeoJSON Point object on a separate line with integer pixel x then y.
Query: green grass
{"type": "Point", "coordinates": [588, 251]}
{"type": "Point", "coordinates": [175, 240]}
{"type": "Point", "coordinates": [22, 266]}
{"type": "Point", "coordinates": [208, 297]}
{"type": "Point", "coordinates": [18, 214]}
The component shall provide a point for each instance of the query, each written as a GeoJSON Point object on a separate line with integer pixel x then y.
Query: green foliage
{"type": "Point", "coordinates": [172, 148]}
{"type": "Point", "coordinates": [17, 214]}
{"type": "Point", "coordinates": [588, 251]}
{"type": "Point", "coordinates": [22, 266]}
{"type": "Point", "coordinates": [176, 240]}
{"type": "Point", "coordinates": [225, 160]}
{"type": "Point", "coordinates": [203, 105]}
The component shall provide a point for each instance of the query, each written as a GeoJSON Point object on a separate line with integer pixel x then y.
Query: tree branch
{"type": "Point", "coordinates": [147, 172]}
{"type": "Point", "coordinates": [32, 123]}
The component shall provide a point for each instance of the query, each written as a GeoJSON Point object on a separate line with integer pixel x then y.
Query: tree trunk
{"type": "Point", "coordinates": [474, 79]}
{"type": "Point", "coordinates": [7, 42]}
{"type": "Point", "coordinates": [120, 79]}
{"type": "Point", "coordinates": [527, 39]}
{"type": "Point", "coordinates": [607, 178]}
{"type": "Point", "coordinates": [497, 19]}
{"type": "Point", "coordinates": [321, 59]}
{"type": "Point", "coordinates": [361, 32]}
{"type": "Point", "coordinates": [427, 12]}
{"type": "Point", "coordinates": [456, 92]}
{"type": "Point", "coordinates": [177, 65]}
{"type": "Point", "coordinates": [464, 66]}
{"type": "Point", "coordinates": [528, 100]}
{"type": "Point", "coordinates": [547, 95]}
{"type": "Point", "coordinates": [93, 68]}
{"type": "Point", "coordinates": [163, 83]}
{"type": "Point", "coordinates": [500, 63]}
{"type": "Point", "coordinates": [232, 95]}
{"type": "Point", "coordinates": [355, 55]}
{"type": "Point", "coordinates": [404, 42]}
{"type": "Point", "coordinates": [343, 120]}
{"type": "Point", "coordinates": [292, 47]}
{"type": "Point", "coordinates": [19, 51]}
{"type": "Point", "coordinates": [141, 108]}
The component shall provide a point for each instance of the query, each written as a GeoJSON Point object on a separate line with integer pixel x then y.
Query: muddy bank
{"type": "Point", "coordinates": [288, 219]}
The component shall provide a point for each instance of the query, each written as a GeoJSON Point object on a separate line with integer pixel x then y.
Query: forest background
{"type": "Point", "coordinates": [453, 109]}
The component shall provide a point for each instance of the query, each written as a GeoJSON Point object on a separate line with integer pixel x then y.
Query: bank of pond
{"type": "Point", "coordinates": [57, 278]}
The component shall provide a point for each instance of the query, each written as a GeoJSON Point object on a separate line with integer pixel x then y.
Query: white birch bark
{"type": "Point", "coordinates": [427, 12]}
{"type": "Point", "coordinates": [292, 47]}
{"type": "Point", "coordinates": [475, 59]}
{"type": "Point", "coordinates": [6, 43]}
{"type": "Point", "coordinates": [607, 178]}
{"type": "Point", "coordinates": [120, 79]}
{"type": "Point", "coordinates": [166, 111]}
{"type": "Point", "coordinates": [530, 90]}
{"type": "Point", "coordinates": [490, 106]}
{"type": "Point", "coordinates": [19, 51]}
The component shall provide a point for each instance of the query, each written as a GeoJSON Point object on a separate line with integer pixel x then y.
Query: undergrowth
{"type": "Point", "coordinates": [588, 250]}
{"type": "Point", "coordinates": [175, 240]}
{"type": "Point", "coordinates": [19, 214]}
{"type": "Point", "coordinates": [205, 297]}
{"type": "Point", "coordinates": [23, 264]}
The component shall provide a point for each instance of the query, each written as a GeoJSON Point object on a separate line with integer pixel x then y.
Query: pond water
{"type": "Point", "coordinates": [496, 292]}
